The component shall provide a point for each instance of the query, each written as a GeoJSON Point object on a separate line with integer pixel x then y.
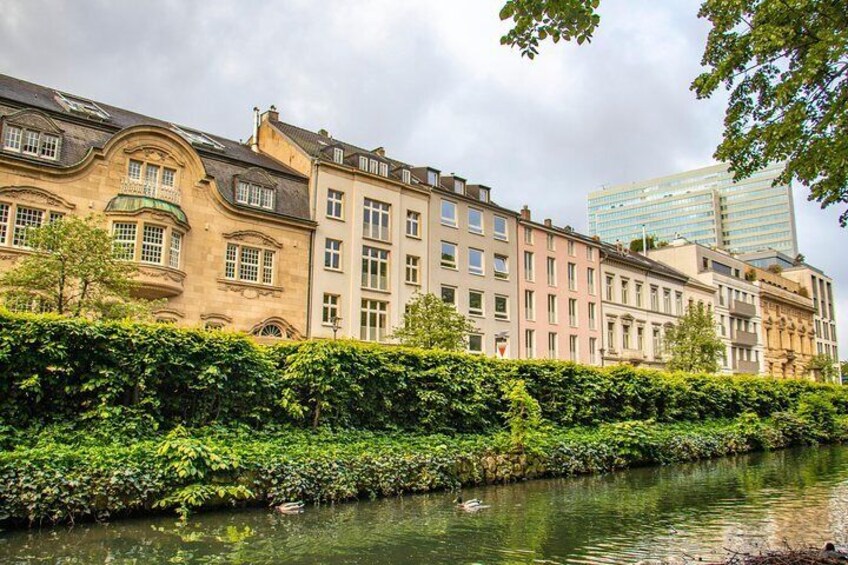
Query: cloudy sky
{"type": "Point", "coordinates": [427, 79]}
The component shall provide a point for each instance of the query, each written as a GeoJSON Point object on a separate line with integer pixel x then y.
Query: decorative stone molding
{"type": "Point", "coordinates": [156, 272]}
{"type": "Point", "coordinates": [215, 317]}
{"type": "Point", "coordinates": [37, 196]}
{"type": "Point", "coordinates": [250, 291]}
{"type": "Point", "coordinates": [170, 312]}
{"type": "Point", "coordinates": [154, 153]}
{"type": "Point", "coordinates": [255, 175]}
{"type": "Point", "coordinates": [34, 119]}
{"type": "Point", "coordinates": [289, 329]}
{"type": "Point", "coordinates": [253, 237]}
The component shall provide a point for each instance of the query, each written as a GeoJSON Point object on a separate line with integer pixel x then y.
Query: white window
{"type": "Point", "coordinates": [551, 244]}
{"type": "Point", "coordinates": [31, 142]}
{"type": "Point", "coordinates": [501, 307]}
{"type": "Point", "coordinates": [432, 178]}
{"type": "Point", "coordinates": [448, 258]}
{"type": "Point", "coordinates": [475, 220]}
{"type": "Point", "coordinates": [458, 186]}
{"type": "Point", "coordinates": [475, 343]}
{"type": "Point", "coordinates": [330, 309]}
{"type": "Point", "coordinates": [174, 251]}
{"type": "Point", "coordinates": [152, 241]}
{"type": "Point", "coordinates": [572, 347]}
{"type": "Point", "coordinates": [625, 291]}
{"type": "Point", "coordinates": [413, 224]}
{"type": "Point", "coordinates": [375, 220]}
{"type": "Point", "coordinates": [335, 204]}
{"type": "Point", "coordinates": [373, 320]}
{"type": "Point", "coordinates": [572, 276]}
{"type": "Point", "coordinates": [30, 146]}
{"type": "Point", "coordinates": [501, 228]}
{"type": "Point", "coordinates": [231, 261]}
{"type": "Point", "coordinates": [639, 294]}
{"type": "Point", "coordinates": [590, 253]}
{"type": "Point", "coordinates": [529, 305]}
{"type": "Point", "coordinates": [49, 146]}
{"type": "Point", "coordinates": [12, 138]}
{"type": "Point", "coordinates": [198, 138]}
{"type": "Point", "coordinates": [268, 267]}
{"type": "Point", "coordinates": [553, 316]}
{"type": "Point", "coordinates": [592, 316]}
{"type": "Point", "coordinates": [449, 295]}
{"type": "Point", "coordinates": [4, 222]}
{"type": "Point", "coordinates": [590, 280]}
{"type": "Point", "coordinates": [413, 269]}
{"type": "Point", "coordinates": [552, 278]}
{"type": "Point", "coordinates": [271, 330]}
{"type": "Point", "coordinates": [168, 177]}
{"type": "Point", "coordinates": [572, 249]}
{"type": "Point", "coordinates": [592, 350]}
{"type": "Point", "coordinates": [375, 268]}
{"type": "Point", "coordinates": [134, 169]}
{"type": "Point", "coordinates": [254, 195]}
{"type": "Point", "coordinates": [529, 266]}
{"type": "Point", "coordinates": [529, 343]}
{"type": "Point", "coordinates": [338, 155]}
{"type": "Point", "coordinates": [249, 264]}
{"type": "Point", "coordinates": [123, 237]}
{"type": "Point", "coordinates": [25, 219]}
{"type": "Point", "coordinates": [374, 167]}
{"type": "Point", "coordinates": [82, 106]}
{"type": "Point", "coordinates": [501, 267]}
{"type": "Point", "coordinates": [363, 163]}
{"type": "Point", "coordinates": [528, 236]}
{"type": "Point", "coordinates": [484, 195]}
{"type": "Point", "coordinates": [475, 261]}
{"type": "Point", "coordinates": [553, 348]}
{"type": "Point", "coordinates": [475, 303]}
{"type": "Point", "coordinates": [406, 176]}
{"type": "Point", "coordinates": [449, 213]}
{"type": "Point", "coordinates": [333, 254]}
{"type": "Point", "coordinates": [384, 170]}
{"type": "Point", "coordinates": [244, 263]}
{"type": "Point", "coordinates": [572, 312]}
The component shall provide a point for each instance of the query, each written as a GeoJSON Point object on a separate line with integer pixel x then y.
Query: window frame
{"type": "Point", "coordinates": [333, 202]}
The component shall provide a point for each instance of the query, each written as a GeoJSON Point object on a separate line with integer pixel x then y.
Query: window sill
{"type": "Point", "coordinates": [249, 284]}
{"type": "Point", "coordinates": [376, 240]}
{"type": "Point", "coordinates": [410, 236]}
{"type": "Point", "coordinates": [452, 226]}
{"type": "Point", "coordinates": [477, 274]}
{"type": "Point", "coordinates": [449, 268]}
{"type": "Point", "coordinates": [328, 269]}
{"type": "Point", "coordinates": [335, 219]}
{"type": "Point", "coordinates": [501, 319]}
{"type": "Point", "coordinates": [377, 290]}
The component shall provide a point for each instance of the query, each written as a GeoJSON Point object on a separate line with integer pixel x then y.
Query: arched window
{"type": "Point", "coordinates": [271, 330]}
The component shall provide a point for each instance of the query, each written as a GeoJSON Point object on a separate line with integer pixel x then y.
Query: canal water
{"type": "Point", "coordinates": [687, 512]}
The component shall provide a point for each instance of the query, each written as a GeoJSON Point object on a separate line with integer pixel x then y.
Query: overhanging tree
{"type": "Point", "coordinates": [785, 63]}
{"type": "Point", "coordinates": [693, 345]}
{"type": "Point", "coordinates": [430, 323]}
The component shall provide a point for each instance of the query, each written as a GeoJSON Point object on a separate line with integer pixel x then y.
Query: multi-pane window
{"type": "Point", "coordinates": [590, 253]}
{"type": "Point", "coordinates": [333, 254]}
{"type": "Point", "coordinates": [475, 261]}
{"type": "Point", "coordinates": [590, 280]}
{"type": "Point", "coordinates": [592, 316]}
{"type": "Point", "coordinates": [123, 240]}
{"type": "Point", "coordinates": [432, 178]}
{"type": "Point", "coordinates": [667, 301]}
{"type": "Point", "coordinates": [625, 291]}
{"type": "Point", "coordinates": [375, 220]}
{"type": "Point", "coordinates": [31, 142]}
{"type": "Point", "coordinates": [551, 265]}
{"type": "Point", "coordinates": [528, 236]}
{"type": "Point", "coordinates": [448, 256]}
{"type": "Point", "coordinates": [593, 349]}
{"type": "Point", "coordinates": [373, 320]}
{"type": "Point", "coordinates": [449, 295]}
{"type": "Point", "coordinates": [639, 294]}
{"type": "Point", "coordinates": [245, 263]}
{"type": "Point", "coordinates": [678, 303]}
{"type": "Point", "coordinates": [625, 336]}
{"type": "Point", "coordinates": [335, 204]}
{"type": "Point", "coordinates": [551, 244]}
{"type": "Point", "coordinates": [413, 223]}
{"type": "Point", "coordinates": [572, 248]}
{"type": "Point", "coordinates": [25, 219]}
{"type": "Point", "coordinates": [152, 241]}
{"type": "Point", "coordinates": [529, 305]}
{"type": "Point", "coordinates": [475, 343]}
{"type": "Point", "coordinates": [4, 221]}
{"type": "Point", "coordinates": [611, 336]}
{"type": "Point", "coordinates": [552, 345]}
{"type": "Point", "coordinates": [406, 176]}
{"type": "Point", "coordinates": [552, 309]}
{"type": "Point", "coordinates": [254, 195]}
{"type": "Point", "coordinates": [529, 343]}
{"type": "Point", "coordinates": [475, 220]}
{"type": "Point", "coordinates": [655, 299]}
{"type": "Point", "coordinates": [449, 213]}
{"type": "Point", "coordinates": [174, 251]}
{"type": "Point", "coordinates": [413, 269]}
{"type": "Point", "coordinates": [657, 343]}
{"type": "Point", "coordinates": [529, 266]}
{"type": "Point", "coordinates": [330, 309]}
{"type": "Point", "coordinates": [501, 307]}
{"type": "Point", "coordinates": [572, 347]}
{"type": "Point", "coordinates": [475, 303]}
{"type": "Point", "coordinates": [572, 312]}
{"type": "Point", "coordinates": [501, 267]}
{"type": "Point", "coordinates": [572, 276]}
{"type": "Point", "coordinates": [610, 289]}
{"type": "Point", "coordinates": [501, 228]}
{"type": "Point", "coordinates": [640, 338]}
{"type": "Point", "coordinates": [338, 155]}
{"type": "Point", "coordinates": [375, 268]}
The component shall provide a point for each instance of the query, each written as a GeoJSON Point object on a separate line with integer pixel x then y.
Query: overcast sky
{"type": "Point", "coordinates": [427, 79]}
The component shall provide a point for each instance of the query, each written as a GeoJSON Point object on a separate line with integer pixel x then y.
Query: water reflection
{"type": "Point", "coordinates": [696, 510]}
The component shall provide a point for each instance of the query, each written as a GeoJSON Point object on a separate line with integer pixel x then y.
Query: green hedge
{"type": "Point", "coordinates": [58, 370]}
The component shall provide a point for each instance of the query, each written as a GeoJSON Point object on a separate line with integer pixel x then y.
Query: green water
{"type": "Point", "coordinates": [689, 511]}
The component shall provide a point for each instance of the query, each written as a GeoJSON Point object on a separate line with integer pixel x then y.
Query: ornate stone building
{"type": "Point", "coordinates": [219, 230]}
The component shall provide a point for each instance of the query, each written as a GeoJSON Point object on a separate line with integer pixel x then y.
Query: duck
{"type": "Point", "coordinates": [290, 507]}
{"type": "Point", "coordinates": [830, 552]}
{"type": "Point", "coordinates": [472, 505]}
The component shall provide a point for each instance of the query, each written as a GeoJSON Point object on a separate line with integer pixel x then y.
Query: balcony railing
{"type": "Point", "coordinates": [138, 187]}
{"type": "Point", "coordinates": [741, 337]}
{"type": "Point", "coordinates": [742, 309]}
{"type": "Point", "coordinates": [747, 367]}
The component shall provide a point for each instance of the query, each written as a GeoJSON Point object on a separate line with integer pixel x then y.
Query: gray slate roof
{"type": "Point", "coordinates": [81, 134]}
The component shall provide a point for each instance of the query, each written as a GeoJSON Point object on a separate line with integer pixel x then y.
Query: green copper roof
{"type": "Point", "coordinates": [134, 203]}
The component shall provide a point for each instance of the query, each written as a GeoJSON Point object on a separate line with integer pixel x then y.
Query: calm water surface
{"type": "Point", "coordinates": [689, 511]}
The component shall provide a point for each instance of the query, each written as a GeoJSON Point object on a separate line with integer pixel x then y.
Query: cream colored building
{"type": "Point", "coordinates": [220, 231]}
{"type": "Point", "coordinates": [642, 300]}
{"type": "Point", "coordinates": [736, 301]}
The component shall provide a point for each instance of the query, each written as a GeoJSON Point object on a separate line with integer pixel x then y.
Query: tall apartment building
{"type": "Point", "coordinates": [819, 287]}
{"type": "Point", "coordinates": [559, 303]}
{"type": "Point", "coordinates": [220, 231]}
{"type": "Point", "coordinates": [737, 306]}
{"type": "Point", "coordinates": [704, 206]}
{"type": "Point", "coordinates": [473, 259]}
{"type": "Point", "coordinates": [370, 253]}
{"type": "Point", "coordinates": [642, 300]}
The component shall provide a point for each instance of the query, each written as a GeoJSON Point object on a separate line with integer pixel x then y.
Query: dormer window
{"type": "Point", "coordinates": [338, 155]}
{"type": "Point", "coordinates": [406, 176]}
{"type": "Point", "coordinates": [432, 178]}
{"type": "Point", "coordinates": [374, 167]}
{"type": "Point", "coordinates": [384, 170]}
{"type": "Point", "coordinates": [484, 195]}
{"type": "Point", "coordinates": [198, 138]}
{"type": "Point", "coordinates": [82, 106]}
{"type": "Point", "coordinates": [363, 163]}
{"type": "Point", "coordinates": [30, 142]}
{"type": "Point", "coordinates": [255, 195]}
{"type": "Point", "coordinates": [459, 186]}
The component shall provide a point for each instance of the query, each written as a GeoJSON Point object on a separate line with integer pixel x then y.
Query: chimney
{"type": "Point", "coordinates": [381, 151]}
{"type": "Point", "coordinates": [271, 114]}
{"type": "Point", "coordinates": [549, 223]}
{"type": "Point", "coordinates": [525, 213]}
{"type": "Point", "coordinates": [254, 141]}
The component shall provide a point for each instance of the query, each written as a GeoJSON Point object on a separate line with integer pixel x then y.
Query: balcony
{"type": "Point", "coordinates": [746, 367]}
{"type": "Point", "coordinates": [157, 281]}
{"type": "Point", "coordinates": [741, 337]}
{"type": "Point", "coordinates": [742, 309]}
{"type": "Point", "coordinates": [632, 355]}
{"type": "Point", "coordinates": [138, 187]}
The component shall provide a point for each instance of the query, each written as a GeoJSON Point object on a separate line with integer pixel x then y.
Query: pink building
{"type": "Point", "coordinates": [558, 293]}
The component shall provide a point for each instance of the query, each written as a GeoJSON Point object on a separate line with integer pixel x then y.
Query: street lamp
{"type": "Point", "coordinates": [602, 356]}
{"type": "Point", "coordinates": [337, 325]}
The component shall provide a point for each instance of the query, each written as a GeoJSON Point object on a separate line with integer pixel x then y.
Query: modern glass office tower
{"type": "Point", "coordinates": [703, 206]}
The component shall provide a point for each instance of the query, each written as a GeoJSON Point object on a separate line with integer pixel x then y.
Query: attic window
{"type": "Point", "coordinates": [363, 163]}
{"type": "Point", "coordinates": [254, 195]}
{"type": "Point", "coordinates": [30, 142]}
{"type": "Point", "coordinates": [338, 154]}
{"type": "Point", "coordinates": [459, 186]}
{"type": "Point", "coordinates": [432, 178]}
{"type": "Point", "coordinates": [384, 170]}
{"type": "Point", "coordinates": [406, 176]}
{"type": "Point", "coordinates": [198, 138]}
{"type": "Point", "coordinates": [82, 106]}
{"type": "Point", "coordinates": [484, 195]}
{"type": "Point", "coordinates": [374, 167]}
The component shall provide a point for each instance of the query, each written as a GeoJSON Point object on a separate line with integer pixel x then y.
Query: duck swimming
{"type": "Point", "coordinates": [290, 507]}
{"type": "Point", "coordinates": [472, 505]}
